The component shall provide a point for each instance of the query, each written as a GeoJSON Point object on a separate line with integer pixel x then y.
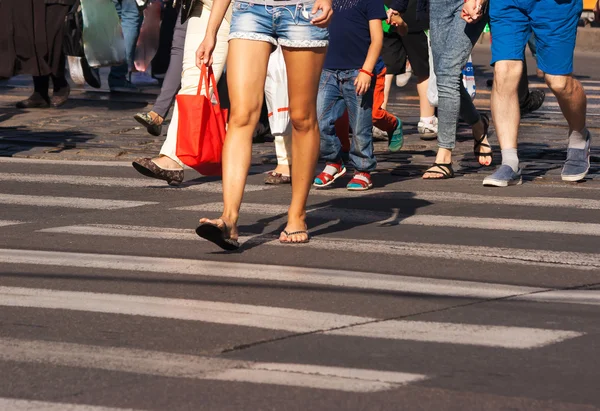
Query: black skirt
{"type": "Point", "coordinates": [31, 36]}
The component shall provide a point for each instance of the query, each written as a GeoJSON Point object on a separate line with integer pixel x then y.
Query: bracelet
{"type": "Point", "coordinates": [368, 73]}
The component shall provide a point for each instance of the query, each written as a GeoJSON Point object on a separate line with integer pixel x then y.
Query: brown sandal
{"type": "Point", "coordinates": [275, 178]}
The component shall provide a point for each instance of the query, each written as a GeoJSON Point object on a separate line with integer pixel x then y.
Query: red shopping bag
{"type": "Point", "coordinates": [201, 127]}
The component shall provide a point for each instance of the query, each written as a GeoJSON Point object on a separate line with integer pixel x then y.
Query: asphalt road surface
{"type": "Point", "coordinates": [413, 296]}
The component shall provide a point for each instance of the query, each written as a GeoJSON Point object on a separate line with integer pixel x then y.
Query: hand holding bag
{"type": "Point", "coordinates": [201, 127]}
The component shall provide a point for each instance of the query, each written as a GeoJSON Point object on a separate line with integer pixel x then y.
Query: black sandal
{"type": "Point", "coordinates": [479, 142]}
{"type": "Point", "coordinates": [218, 235]}
{"type": "Point", "coordinates": [446, 171]}
{"type": "Point", "coordinates": [296, 233]}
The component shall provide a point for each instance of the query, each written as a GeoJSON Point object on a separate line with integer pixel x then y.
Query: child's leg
{"type": "Point", "coordinates": [382, 119]}
{"type": "Point", "coordinates": [360, 113]}
{"type": "Point", "coordinates": [418, 52]}
{"type": "Point", "coordinates": [330, 107]}
{"type": "Point", "coordinates": [394, 57]}
{"type": "Point", "coordinates": [342, 129]}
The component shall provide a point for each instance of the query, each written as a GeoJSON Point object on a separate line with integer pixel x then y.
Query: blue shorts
{"type": "Point", "coordinates": [553, 22]}
{"type": "Point", "coordinates": [288, 26]}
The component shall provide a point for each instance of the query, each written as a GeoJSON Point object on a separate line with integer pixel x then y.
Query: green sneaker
{"type": "Point", "coordinates": [396, 140]}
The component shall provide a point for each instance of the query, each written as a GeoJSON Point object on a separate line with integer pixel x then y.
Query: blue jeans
{"type": "Point", "coordinates": [131, 22]}
{"type": "Point", "coordinates": [452, 40]}
{"type": "Point", "coordinates": [336, 94]}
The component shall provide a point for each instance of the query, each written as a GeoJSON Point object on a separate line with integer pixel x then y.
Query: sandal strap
{"type": "Point", "coordinates": [361, 178]}
{"type": "Point", "coordinates": [325, 177]}
{"type": "Point", "coordinates": [287, 234]}
{"type": "Point", "coordinates": [445, 169]}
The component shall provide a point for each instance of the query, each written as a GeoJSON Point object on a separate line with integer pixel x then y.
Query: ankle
{"type": "Point", "coordinates": [156, 118]}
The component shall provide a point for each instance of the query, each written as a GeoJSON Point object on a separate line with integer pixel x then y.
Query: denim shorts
{"type": "Point", "coordinates": [288, 26]}
{"type": "Point", "coordinates": [553, 22]}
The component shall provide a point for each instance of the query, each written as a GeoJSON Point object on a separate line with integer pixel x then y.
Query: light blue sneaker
{"type": "Point", "coordinates": [578, 162]}
{"type": "Point", "coordinates": [504, 177]}
{"type": "Point", "coordinates": [396, 138]}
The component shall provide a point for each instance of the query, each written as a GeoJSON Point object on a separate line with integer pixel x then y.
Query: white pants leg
{"type": "Point", "coordinates": [190, 77]}
{"type": "Point", "coordinates": [276, 96]}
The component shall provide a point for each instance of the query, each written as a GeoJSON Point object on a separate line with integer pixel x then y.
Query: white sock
{"type": "Point", "coordinates": [578, 139]}
{"type": "Point", "coordinates": [510, 158]}
{"type": "Point", "coordinates": [427, 120]}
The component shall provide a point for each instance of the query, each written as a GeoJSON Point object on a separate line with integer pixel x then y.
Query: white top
{"type": "Point", "coordinates": [276, 2]}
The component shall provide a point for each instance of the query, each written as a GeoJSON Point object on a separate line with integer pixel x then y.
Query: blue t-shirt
{"type": "Point", "coordinates": [349, 34]}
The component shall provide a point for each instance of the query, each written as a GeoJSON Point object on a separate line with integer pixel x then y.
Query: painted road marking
{"type": "Point", "coordinates": [536, 257]}
{"type": "Point", "coordinates": [202, 368]}
{"type": "Point", "coordinates": [70, 202]}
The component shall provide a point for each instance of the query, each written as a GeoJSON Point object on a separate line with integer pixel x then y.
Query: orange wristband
{"type": "Point", "coordinates": [367, 73]}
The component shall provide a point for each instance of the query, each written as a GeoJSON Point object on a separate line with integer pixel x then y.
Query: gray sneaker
{"type": "Point", "coordinates": [578, 162]}
{"type": "Point", "coordinates": [504, 177]}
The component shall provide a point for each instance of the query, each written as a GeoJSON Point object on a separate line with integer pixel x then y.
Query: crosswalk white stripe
{"type": "Point", "coordinates": [202, 368]}
{"type": "Point", "coordinates": [298, 275]}
{"type": "Point", "coordinates": [4, 223]}
{"type": "Point", "coordinates": [117, 182]}
{"type": "Point", "coordinates": [580, 261]}
{"type": "Point", "coordinates": [70, 202]}
{"type": "Point", "coordinates": [587, 297]}
{"type": "Point", "coordinates": [83, 163]}
{"type": "Point", "coordinates": [282, 319]}
{"type": "Point", "coordinates": [464, 334]}
{"type": "Point", "coordinates": [272, 318]}
{"type": "Point", "coordinates": [13, 404]}
{"type": "Point", "coordinates": [468, 198]}
{"type": "Point", "coordinates": [215, 187]}
{"type": "Point", "coordinates": [395, 217]}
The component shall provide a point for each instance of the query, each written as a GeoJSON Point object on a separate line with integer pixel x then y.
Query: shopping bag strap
{"type": "Point", "coordinates": [207, 76]}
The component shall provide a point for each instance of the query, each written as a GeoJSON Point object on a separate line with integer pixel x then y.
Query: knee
{"type": "Point", "coordinates": [303, 121]}
{"type": "Point", "coordinates": [560, 84]}
{"type": "Point", "coordinates": [507, 75]}
{"type": "Point", "coordinates": [247, 116]}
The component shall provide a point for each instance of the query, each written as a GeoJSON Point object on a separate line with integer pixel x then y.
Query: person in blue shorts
{"type": "Point", "coordinates": [554, 24]}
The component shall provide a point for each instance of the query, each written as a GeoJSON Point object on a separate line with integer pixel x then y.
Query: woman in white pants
{"type": "Point", "coordinates": [276, 96]}
{"type": "Point", "coordinates": [167, 166]}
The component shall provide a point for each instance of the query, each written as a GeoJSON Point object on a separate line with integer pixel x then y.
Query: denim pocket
{"type": "Point", "coordinates": [241, 6]}
{"type": "Point", "coordinates": [304, 13]}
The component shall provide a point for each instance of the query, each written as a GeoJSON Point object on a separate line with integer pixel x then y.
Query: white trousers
{"type": "Point", "coordinates": [190, 77]}
{"type": "Point", "coordinates": [276, 96]}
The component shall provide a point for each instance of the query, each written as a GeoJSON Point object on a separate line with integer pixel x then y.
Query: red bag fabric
{"type": "Point", "coordinates": [201, 127]}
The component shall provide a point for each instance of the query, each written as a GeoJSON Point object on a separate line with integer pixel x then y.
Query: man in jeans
{"type": "Point", "coordinates": [131, 22]}
{"type": "Point", "coordinates": [555, 27]}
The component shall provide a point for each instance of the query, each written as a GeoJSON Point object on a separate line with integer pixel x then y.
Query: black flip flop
{"type": "Point", "coordinates": [287, 234]}
{"type": "Point", "coordinates": [217, 235]}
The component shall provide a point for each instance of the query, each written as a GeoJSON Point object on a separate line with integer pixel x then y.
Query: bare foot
{"type": "Point", "coordinates": [295, 232]}
{"type": "Point", "coordinates": [282, 169]}
{"type": "Point", "coordinates": [158, 120]}
{"type": "Point", "coordinates": [167, 163]}
{"type": "Point", "coordinates": [230, 230]}
{"type": "Point", "coordinates": [444, 156]}
{"type": "Point", "coordinates": [482, 145]}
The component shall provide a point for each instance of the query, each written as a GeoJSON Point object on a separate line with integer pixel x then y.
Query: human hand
{"type": "Point", "coordinates": [390, 13]}
{"type": "Point", "coordinates": [400, 25]}
{"type": "Point", "coordinates": [473, 11]}
{"type": "Point", "coordinates": [205, 51]}
{"type": "Point", "coordinates": [324, 18]}
{"type": "Point", "coordinates": [362, 83]}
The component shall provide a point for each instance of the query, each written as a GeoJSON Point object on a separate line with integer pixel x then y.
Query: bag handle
{"type": "Point", "coordinates": [207, 76]}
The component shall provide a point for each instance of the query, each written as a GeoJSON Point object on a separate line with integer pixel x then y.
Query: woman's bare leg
{"type": "Point", "coordinates": [246, 92]}
{"type": "Point", "coordinates": [304, 71]}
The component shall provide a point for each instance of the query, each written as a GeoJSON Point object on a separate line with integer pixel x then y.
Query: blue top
{"type": "Point", "coordinates": [349, 34]}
